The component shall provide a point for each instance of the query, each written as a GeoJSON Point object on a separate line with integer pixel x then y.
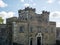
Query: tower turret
{"type": "Point", "coordinates": [45, 16]}
{"type": "Point", "coordinates": [25, 13]}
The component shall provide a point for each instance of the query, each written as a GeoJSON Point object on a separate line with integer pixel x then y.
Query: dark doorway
{"type": "Point", "coordinates": [38, 40]}
{"type": "Point", "coordinates": [31, 41]}
{"type": "Point", "coordinates": [57, 42]}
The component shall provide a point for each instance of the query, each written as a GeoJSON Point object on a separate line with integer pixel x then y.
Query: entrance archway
{"type": "Point", "coordinates": [39, 39]}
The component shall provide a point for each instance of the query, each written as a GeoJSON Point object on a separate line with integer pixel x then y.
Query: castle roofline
{"type": "Point", "coordinates": [27, 9]}
{"type": "Point", "coordinates": [32, 9]}
{"type": "Point", "coordinates": [52, 23]}
{"type": "Point", "coordinates": [43, 12]}
{"type": "Point", "coordinates": [11, 17]}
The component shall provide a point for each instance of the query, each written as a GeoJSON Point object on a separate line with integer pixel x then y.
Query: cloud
{"type": "Point", "coordinates": [5, 15]}
{"type": "Point", "coordinates": [58, 2]}
{"type": "Point", "coordinates": [44, 8]}
{"type": "Point", "coordinates": [31, 0]}
{"type": "Point", "coordinates": [50, 1]}
{"type": "Point", "coordinates": [26, 4]}
{"type": "Point", "coordinates": [58, 24]}
{"type": "Point", "coordinates": [22, 0]}
{"type": "Point", "coordinates": [55, 16]}
{"type": "Point", "coordinates": [34, 4]}
{"type": "Point", "coordinates": [2, 4]}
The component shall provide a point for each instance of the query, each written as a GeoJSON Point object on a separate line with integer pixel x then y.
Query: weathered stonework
{"type": "Point", "coordinates": [30, 28]}
{"type": "Point", "coordinates": [3, 35]}
{"type": "Point", "coordinates": [41, 25]}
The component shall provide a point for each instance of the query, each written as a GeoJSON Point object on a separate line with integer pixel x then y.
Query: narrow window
{"type": "Point", "coordinates": [21, 28]}
{"type": "Point", "coordinates": [31, 29]}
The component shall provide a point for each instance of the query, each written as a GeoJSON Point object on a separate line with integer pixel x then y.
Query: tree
{"type": "Point", "coordinates": [1, 20]}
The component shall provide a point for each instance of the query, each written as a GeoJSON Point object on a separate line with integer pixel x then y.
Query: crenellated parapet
{"type": "Point", "coordinates": [26, 9]}
{"type": "Point", "coordinates": [45, 12]}
{"type": "Point", "coordinates": [30, 9]}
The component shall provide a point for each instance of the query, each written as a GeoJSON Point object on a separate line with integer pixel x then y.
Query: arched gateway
{"type": "Point", "coordinates": [39, 39]}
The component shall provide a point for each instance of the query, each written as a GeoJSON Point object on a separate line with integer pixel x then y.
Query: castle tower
{"type": "Point", "coordinates": [45, 16]}
{"type": "Point", "coordinates": [25, 13]}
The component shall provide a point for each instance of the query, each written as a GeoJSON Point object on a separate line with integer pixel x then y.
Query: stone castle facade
{"type": "Point", "coordinates": [31, 28]}
{"type": "Point", "coordinates": [58, 35]}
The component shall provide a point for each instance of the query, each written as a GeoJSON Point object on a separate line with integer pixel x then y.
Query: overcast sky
{"type": "Point", "coordinates": [9, 8]}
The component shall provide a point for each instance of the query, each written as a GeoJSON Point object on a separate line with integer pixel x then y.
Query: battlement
{"type": "Point", "coordinates": [8, 20]}
{"type": "Point", "coordinates": [30, 9]}
{"type": "Point", "coordinates": [45, 12]}
{"type": "Point", "coordinates": [26, 9]}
